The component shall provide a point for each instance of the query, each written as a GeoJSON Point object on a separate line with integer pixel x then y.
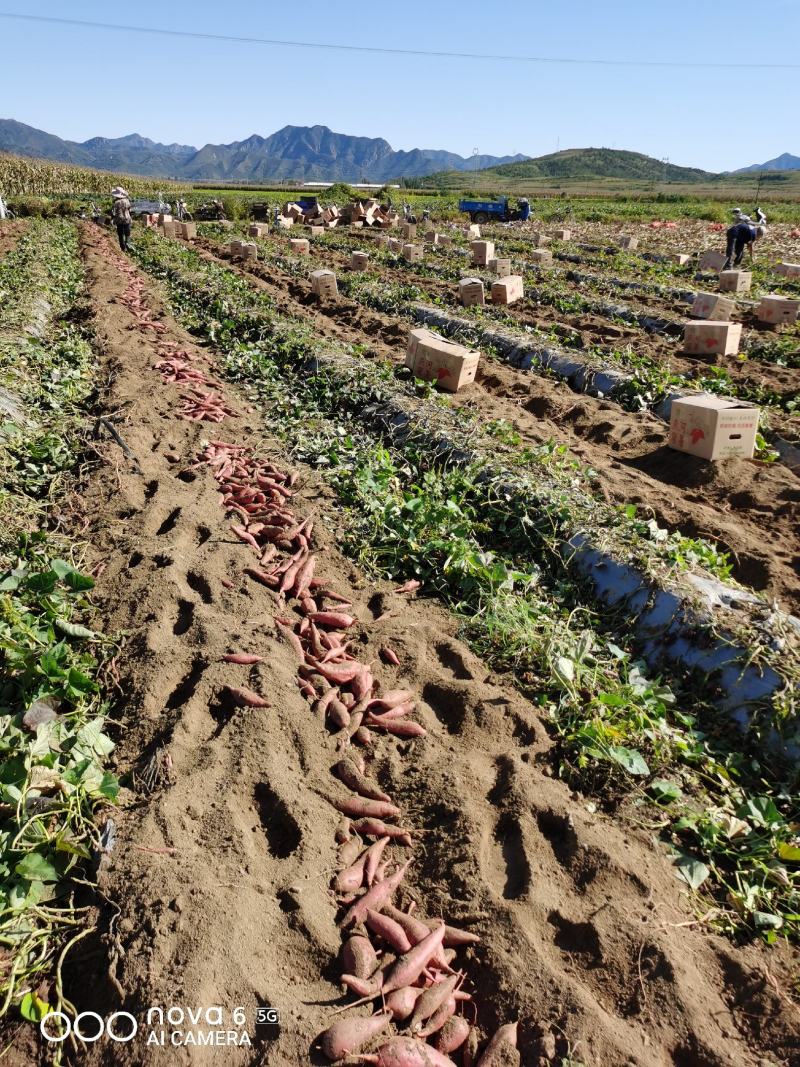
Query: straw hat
{"type": "Point", "coordinates": [118, 192]}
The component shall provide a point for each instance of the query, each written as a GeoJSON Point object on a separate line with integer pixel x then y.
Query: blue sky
{"type": "Point", "coordinates": [79, 82]}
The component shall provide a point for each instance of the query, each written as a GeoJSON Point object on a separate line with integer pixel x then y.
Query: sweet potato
{"type": "Point", "coordinates": [363, 987]}
{"type": "Point", "coordinates": [351, 878]}
{"type": "Point", "coordinates": [417, 931]}
{"type": "Point", "coordinates": [388, 655]}
{"type": "Point", "coordinates": [502, 1049]}
{"type": "Point", "coordinates": [406, 1052]}
{"type": "Point", "coordinates": [346, 1036]}
{"type": "Point", "coordinates": [452, 1035]}
{"type": "Point", "coordinates": [338, 673]}
{"type": "Point", "coordinates": [442, 1014]}
{"type": "Point", "coordinates": [389, 930]}
{"type": "Point", "coordinates": [349, 852]}
{"type": "Point", "coordinates": [244, 697]}
{"type": "Point", "coordinates": [347, 772]}
{"type": "Point", "coordinates": [401, 1002]}
{"type": "Point", "coordinates": [343, 831]}
{"type": "Point", "coordinates": [411, 964]}
{"type": "Point", "coordinates": [378, 828]}
{"type": "Point", "coordinates": [431, 1000]}
{"type": "Point", "coordinates": [338, 620]}
{"type": "Point", "coordinates": [338, 715]}
{"type": "Point", "coordinates": [409, 586]}
{"type": "Point", "coordinates": [358, 957]}
{"type": "Point", "coordinates": [362, 736]}
{"type": "Point", "coordinates": [359, 807]}
{"type": "Point", "coordinates": [245, 658]}
{"type": "Point", "coordinates": [373, 858]}
{"type": "Point", "coordinates": [375, 898]}
{"type": "Point", "coordinates": [398, 727]}
{"type": "Point", "coordinates": [392, 698]}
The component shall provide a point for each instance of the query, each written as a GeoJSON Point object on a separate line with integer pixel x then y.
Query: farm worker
{"type": "Point", "coordinates": [121, 215]}
{"type": "Point", "coordinates": [740, 236]}
{"type": "Point", "coordinates": [2, 208]}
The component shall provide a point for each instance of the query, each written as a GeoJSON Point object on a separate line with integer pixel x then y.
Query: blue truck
{"type": "Point", "coordinates": [496, 210]}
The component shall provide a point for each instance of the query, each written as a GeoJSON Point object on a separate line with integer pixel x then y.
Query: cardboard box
{"type": "Point", "coordinates": [162, 218]}
{"type": "Point", "coordinates": [563, 235]}
{"type": "Point", "coordinates": [541, 257]}
{"type": "Point", "coordinates": [257, 229]}
{"type": "Point", "coordinates": [445, 242]}
{"type": "Point", "coordinates": [474, 230]}
{"type": "Point", "coordinates": [316, 231]}
{"type": "Point", "coordinates": [711, 260]}
{"type": "Point", "coordinates": [507, 290]}
{"type": "Point", "coordinates": [167, 227]}
{"type": "Point", "coordinates": [431, 237]}
{"type": "Point", "coordinates": [735, 281]}
{"type": "Point", "coordinates": [630, 244]}
{"type": "Point", "coordinates": [500, 267]}
{"type": "Point", "coordinates": [412, 253]}
{"type": "Point", "coordinates": [712, 338]}
{"type": "Point", "coordinates": [395, 244]}
{"type": "Point", "coordinates": [235, 249]}
{"type": "Point", "coordinates": [777, 310]}
{"type": "Point", "coordinates": [435, 359]}
{"type": "Point", "coordinates": [382, 240]}
{"type": "Point", "coordinates": [713, 427]}
{"type": "Point", "coordinates": [681, 258]}
{"type": "Point", "coordinates": [323, 284]}
{"type": "Point", "coordinates": [470, 292]}
{"type": "Point", "coordinates": [788, 270]}
{"type": "Point", "coordinates": [285, 222]}
{"type": "Point", "coordinates": [713, 306]}
{"type": "Point", "coordinates": [299, 245]}
{"type": "Point", "coordinates": [540, 240]}
{"type": "Point", "coordinates": [249, 250]}
{"type": "Point", "coordinates": [359, 260]}
{"type": "Point", "coordinates": [408, 230]}
{"type": "Point", "coordinates": [225, 224]}
{"type": "Point", "coordinates": [482, 252]}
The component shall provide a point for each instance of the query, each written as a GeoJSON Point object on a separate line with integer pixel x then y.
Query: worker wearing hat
{"type": "Point", "coordinates": [121, 215]}
{"type": "Point", "coordinates": [743, 234]}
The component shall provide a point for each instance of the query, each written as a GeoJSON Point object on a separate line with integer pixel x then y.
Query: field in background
{"type": "Point", "coordinates": [40, 187]}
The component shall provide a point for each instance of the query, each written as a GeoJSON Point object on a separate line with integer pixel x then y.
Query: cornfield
{"type": "Point", "coordinates": [21, 176]}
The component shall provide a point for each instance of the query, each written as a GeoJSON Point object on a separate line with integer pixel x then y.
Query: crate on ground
{"type": "Point", "coordinates": [395, 244]}
{"type": "Point", "coordinates": [563, 235]}
{"type": "Point", "coordinates": [507, 290]}
{"type": "Point", "coordinates": [445, 241]}
{"type": "Point", "coordinates": [167, 227]}
{"type": "Point", "coordinates": [382, 240]}
{"type": "Point", "coordinates": [412, 253]}
{"type": "Point", "coordinates": [482, 252]}
{"type": "Point", "coordinates": [315, 231]}
{"type": "Point", "coordinates": [285, 222]}
{"type": "Point", "coordinates": [713, 427]}
{"type": "Point", "coordinates": [301, 246]}
{"type": "Point", "coordinates": [435, 359]}
{"type": "Point", "coordinates": [712, 338]}
{"type": "Point", "coordinates": [431, 237]}
{"type": "Point", "coordinates": [775, 310]}
{"type": "Point", "coordinates": [541, 240]}
{"type": "Point", "coordinates": [258, 229]}
{"type": "Point", "coordinates": [735, 281]}
{"type": "Point", "coordinates": [628, 243]}
{"type": "Point", "coordinates": [788, 270]}
{"type": "Point", "coordinates": [474, 230]}
{"type": "Point", "coordinates": [541, 257]}
{"type": "Point", "coordinates": [235, 249]}
{"type": "Point", "coordinates": [500, 267]}
{"type": "Point", "coordinates": [323, 284]}
{"type": "Point", "coordinates": [713, 306]}
{"type": "Point", "coordinates": [408, 230]}
{"type": "Point", "coordinates": [164, 217]}
{"type": "Point", "coordinates": [711, 260]}
{"type": "Point", "coordinates": [470, 292]}
{"type": "Point", "coordinates": [359, 260]}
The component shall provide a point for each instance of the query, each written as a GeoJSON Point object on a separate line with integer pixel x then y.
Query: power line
{"type": "Point", "coordinates": [395, 51]}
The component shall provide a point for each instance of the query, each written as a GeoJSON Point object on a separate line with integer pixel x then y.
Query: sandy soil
{"type": "Point", "coordinates": [216, 892]}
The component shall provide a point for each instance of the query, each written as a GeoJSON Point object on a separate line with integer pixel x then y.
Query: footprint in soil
{"type": "Point", "coordinates": [577, 938]}
{"type": "Point", "coordinates": [168, 525]}
{"type": "Point", "coordinates": [281, 829]}
{"type": "Point", "coordinates": [451, 657]}
{"type": "Point", "coordinates": [506, 866]}
{"type": "Point", "coordinates": [185, 617]}
{"type": "Point", "coordinates": [200, 585]}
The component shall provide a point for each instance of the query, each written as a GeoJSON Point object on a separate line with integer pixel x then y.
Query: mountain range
{"type": "Point", "coordinates": [307, 153]}
{"type": "Point", "coordinates": [783, 162]}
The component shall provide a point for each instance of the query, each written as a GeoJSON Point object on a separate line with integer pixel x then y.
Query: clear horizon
{"type": "Point", "coordinates": [197, 92]}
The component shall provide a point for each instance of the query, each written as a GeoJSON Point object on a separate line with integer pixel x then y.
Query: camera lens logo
{"type": "Point", "coordinates": [120, 1026]}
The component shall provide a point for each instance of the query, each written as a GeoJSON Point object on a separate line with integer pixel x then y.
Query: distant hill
{"type": "Point", "coordinates": [783, 162]}
{"type": "Point", "coordinates": [599, 163]}
{"type": "Point", "coordinates": [304, 153]}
